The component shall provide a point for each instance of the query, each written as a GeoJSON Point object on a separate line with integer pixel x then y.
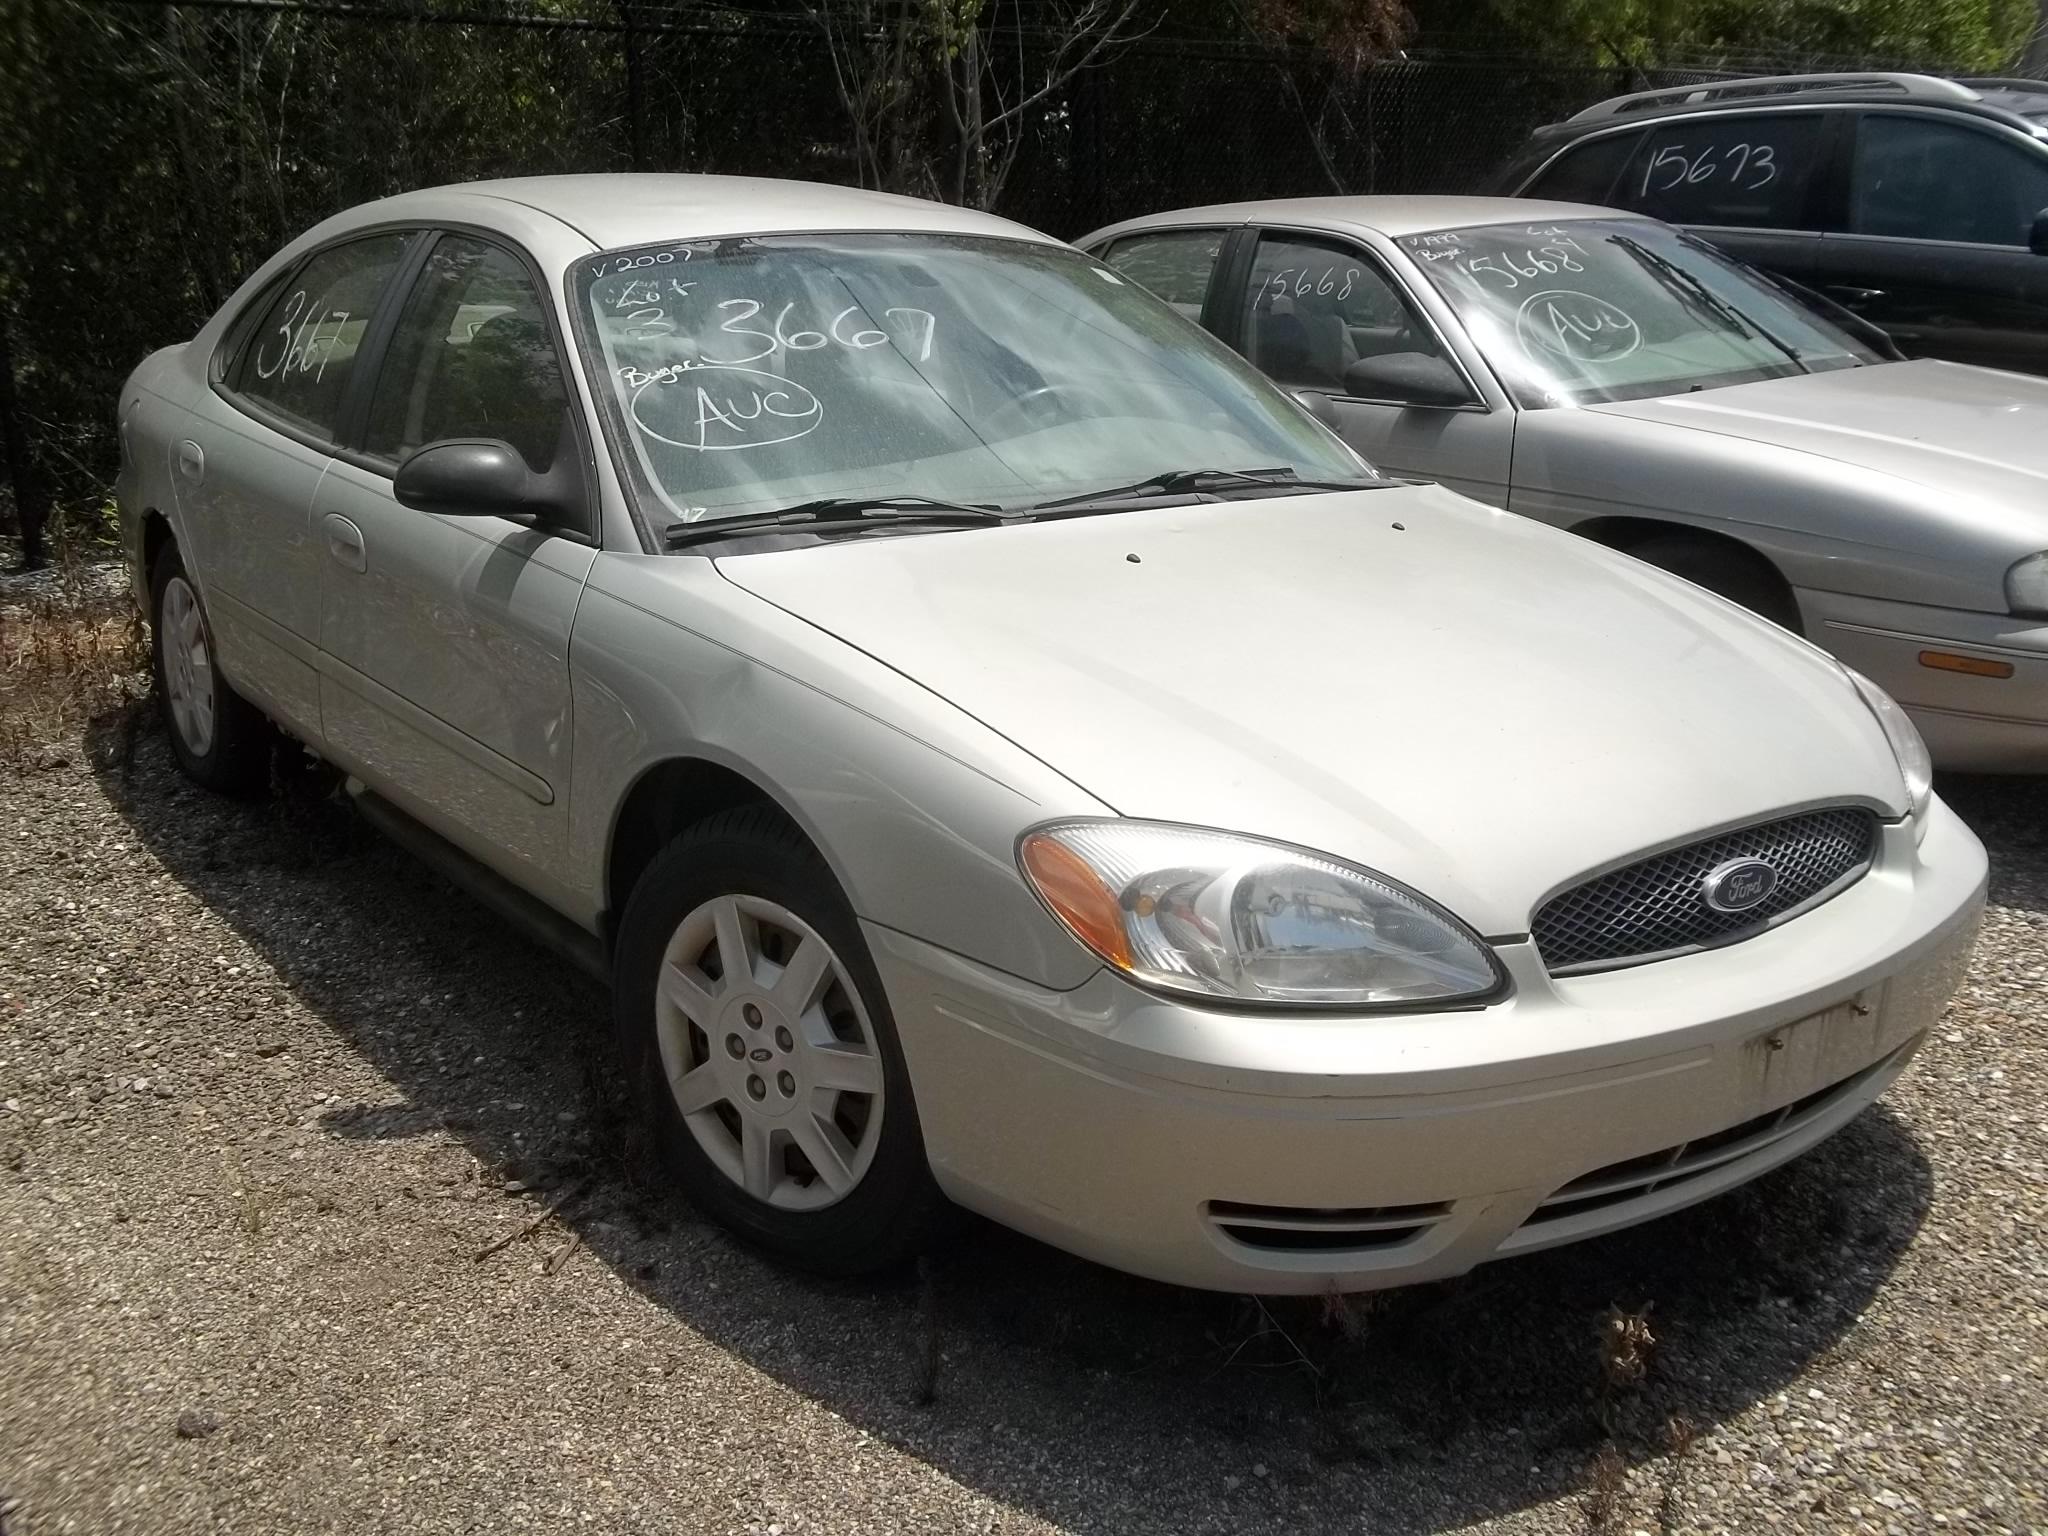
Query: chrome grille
{"type": "Point", "coordinates": [1657, 906]}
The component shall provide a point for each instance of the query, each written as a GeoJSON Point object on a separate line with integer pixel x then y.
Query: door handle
{"type": "Point", "coordinates": [345, 542]}
{"type": "Point", "coordinates": [191, 460]}
{"type": "Point", "coordinates": [1852, 296]}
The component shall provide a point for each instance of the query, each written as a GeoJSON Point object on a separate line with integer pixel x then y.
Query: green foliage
{"type": "Point", "coordinates": [1954, 36]}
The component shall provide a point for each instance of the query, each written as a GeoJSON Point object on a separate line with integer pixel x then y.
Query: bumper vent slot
{"type": "Point", "coordinates": [1637, 1178]}
{"type": "Point", "coordinates": [1657, 907]}
{"type": "Point", "coordinates": [1295, 1229]}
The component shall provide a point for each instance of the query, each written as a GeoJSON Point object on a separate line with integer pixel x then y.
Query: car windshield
{"type": "Point", "coordinates": [751, 375]}
{"type": "Point", "coordinates": [1585, 311]}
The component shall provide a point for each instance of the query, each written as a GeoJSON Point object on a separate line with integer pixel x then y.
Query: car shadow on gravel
{"type": "Point", "coordinates": [1087, 1398]}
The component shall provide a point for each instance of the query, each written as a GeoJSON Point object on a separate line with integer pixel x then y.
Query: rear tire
{"type": "Point", "coordinates": [758, 1041]}
{"type": "Point", "coordinates": [1725, 570]}
{"type": "Point", "coordinates": [220, 739]}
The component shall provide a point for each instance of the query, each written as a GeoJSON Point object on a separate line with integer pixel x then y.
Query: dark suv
{"type": "Point", "coordinates": [1919, 203]}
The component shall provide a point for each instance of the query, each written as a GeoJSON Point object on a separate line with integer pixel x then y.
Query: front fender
{"type": "Point", "coordinates": [1826, 525]}
{"type": "Point", "coordinates": [914, 805]}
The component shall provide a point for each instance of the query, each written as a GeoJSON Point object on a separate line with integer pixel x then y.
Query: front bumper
{"type": "Point", "coordinates": [1972, 724]}
{"type": "Point", "coordinates": [1305, 1153]}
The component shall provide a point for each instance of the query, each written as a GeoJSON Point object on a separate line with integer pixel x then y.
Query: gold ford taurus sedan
{"type": "Point", "coordinates": [1000, 748]}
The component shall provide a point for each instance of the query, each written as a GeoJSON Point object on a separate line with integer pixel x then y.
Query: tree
{"type": "Point", "coordinates": [1958, 36]}
{"type": "Point", "coordinates": [2034, 62]}
{"type": "Point", "coordinates": [988, 93]}
{"type": "Point", "coordinates": [1349, 36]}
{"type": "Point", "coordinates": [988, 66]}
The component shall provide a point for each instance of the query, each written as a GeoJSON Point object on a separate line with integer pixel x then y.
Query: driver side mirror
{"type": "Point", "coordinates": [483, 477]}
{"type": "Point", "coordinates": [2037, 236]}
{"type": "Point", "coordinates": [1408, 378]}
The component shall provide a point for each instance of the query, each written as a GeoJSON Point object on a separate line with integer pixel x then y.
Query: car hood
{"type": "Point", "coordinates": [1481, 707]}
{"type": "Point", "coordinates": [1947, 426]}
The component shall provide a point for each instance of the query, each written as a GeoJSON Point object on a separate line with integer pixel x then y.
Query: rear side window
{"type": "Point", "coordinates": [1587, 172]}
{"type": "Point", "coordinates": [299, 362]}
{"type": "Point", "coordinates": [1174, 264]}
{"type": "Point", "coordinates": [1918, 179]}
{"type": "Point", "coordinates": [236, 341]}
{"type": "Point", "coordinates": [1744, 172]}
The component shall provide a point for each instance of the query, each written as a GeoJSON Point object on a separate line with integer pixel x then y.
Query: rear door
{"type": "Point", "coordinates": [1311, 306]}
{"type": "Point", "coordinates": [256, 446]}
{"type": "Point", "coordinates": [1928, 237]}
{"type": "Point", "coordinates": [445, 682]}
{"type": "Point", "coordinates": [1748, 182]}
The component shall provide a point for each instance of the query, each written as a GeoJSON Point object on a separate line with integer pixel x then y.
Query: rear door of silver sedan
{"type": "Point", "coordinates": [254, 448]}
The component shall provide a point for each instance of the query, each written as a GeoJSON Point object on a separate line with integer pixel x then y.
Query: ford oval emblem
{"type": "Point", "coordinates": [1738, 885]}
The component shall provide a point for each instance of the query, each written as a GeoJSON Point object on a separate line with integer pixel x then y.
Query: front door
{"type": "Point", "coordinates": [445, 679]}
{"type": "Point", "coordinates": [1932, 243]}
{"type": "Point", "coordinates": [1314, 309]}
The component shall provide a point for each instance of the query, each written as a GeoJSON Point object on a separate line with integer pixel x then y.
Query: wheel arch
{"type": "Point", "coordinates": [664, 799]}
{"type": "Point", "coordinates": [157, 535]}
{"type": "Point", "coordinates": [1626, 534]}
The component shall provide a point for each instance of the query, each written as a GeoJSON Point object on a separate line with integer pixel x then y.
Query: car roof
{"type": "Point", "coordinates": [1391, 216]}
{"type": "Point", "coordinates": [616, 210]}
{"type": "Point", "coordinates": [1996, 98]}
{"type": "Point", "coordinates": [2028, 98]}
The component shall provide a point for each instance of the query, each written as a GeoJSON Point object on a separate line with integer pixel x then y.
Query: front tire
{"type": "Point", "coordinates": [220, 739]}
{"type": "Point", "coordinates": [757, 1038]}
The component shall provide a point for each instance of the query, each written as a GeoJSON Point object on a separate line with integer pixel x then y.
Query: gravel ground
{"type": "Point", "coordinates": [271, 1092]}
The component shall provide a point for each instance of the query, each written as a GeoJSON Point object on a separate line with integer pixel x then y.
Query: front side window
{"type": "Point", "coordinates": [298, 363]}
{"type": "Point", "coordinates": [1743, 172]}
{"type": "Point", "coordinates": [1174, 264]}
{"type": "Point", "coordinates": [750, 375]}
{"type": "Point", "coordinates": [1583, 311]}
{"type": "Point", "coordinates": [1588, 172]}
{"type": "Point", "coordinates": [1314, 308]}
{"type": "Point", "coordinates": [471, 357]}
{"type": "Point", "coordinates": [1915, 178]}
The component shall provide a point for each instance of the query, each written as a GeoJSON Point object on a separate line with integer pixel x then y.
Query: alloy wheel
{"type": "Point", "coordinates": [188, 666]}
{"type": "Point", "coordinates": [769, 1053]}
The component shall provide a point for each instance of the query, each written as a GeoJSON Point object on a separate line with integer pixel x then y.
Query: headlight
{"type": "Point", "coordinates": [1221, 916]}
{"type": "Point", "coordinates": [2026, 587]}
{"type": "Point", "coordinates": [1915, 766]}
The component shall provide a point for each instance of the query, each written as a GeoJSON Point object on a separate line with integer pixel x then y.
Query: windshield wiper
{"type": "Point", "coordinates": [1176, 481]}
{"type": "Point", "coordinates": [1672, 273]}
{"type": "Point", "coordinates": [840, 512]}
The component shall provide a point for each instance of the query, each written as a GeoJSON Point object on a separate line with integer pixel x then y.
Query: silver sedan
{"type": "Point", "coordinates": [1001, 748]}
{"type": "Point", "coordinates": [1605, 373]}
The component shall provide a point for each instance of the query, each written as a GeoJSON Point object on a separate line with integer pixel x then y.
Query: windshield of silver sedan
{"type": "Point", "coordinates": [749, 376]}
{"type": "Point", "coordinates": [1583, 311]}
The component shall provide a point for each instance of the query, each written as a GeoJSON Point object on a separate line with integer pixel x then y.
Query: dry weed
{"type": "Point", "coordinates": [1626, 1348]}
{"type": "Point", "coordinates": [66, 658]}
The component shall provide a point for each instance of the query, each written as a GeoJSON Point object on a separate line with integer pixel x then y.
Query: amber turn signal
{"type": "Point", "coordinates": [1972, 666]}
{"type": "Point", "coordinates": [1077, 896]}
